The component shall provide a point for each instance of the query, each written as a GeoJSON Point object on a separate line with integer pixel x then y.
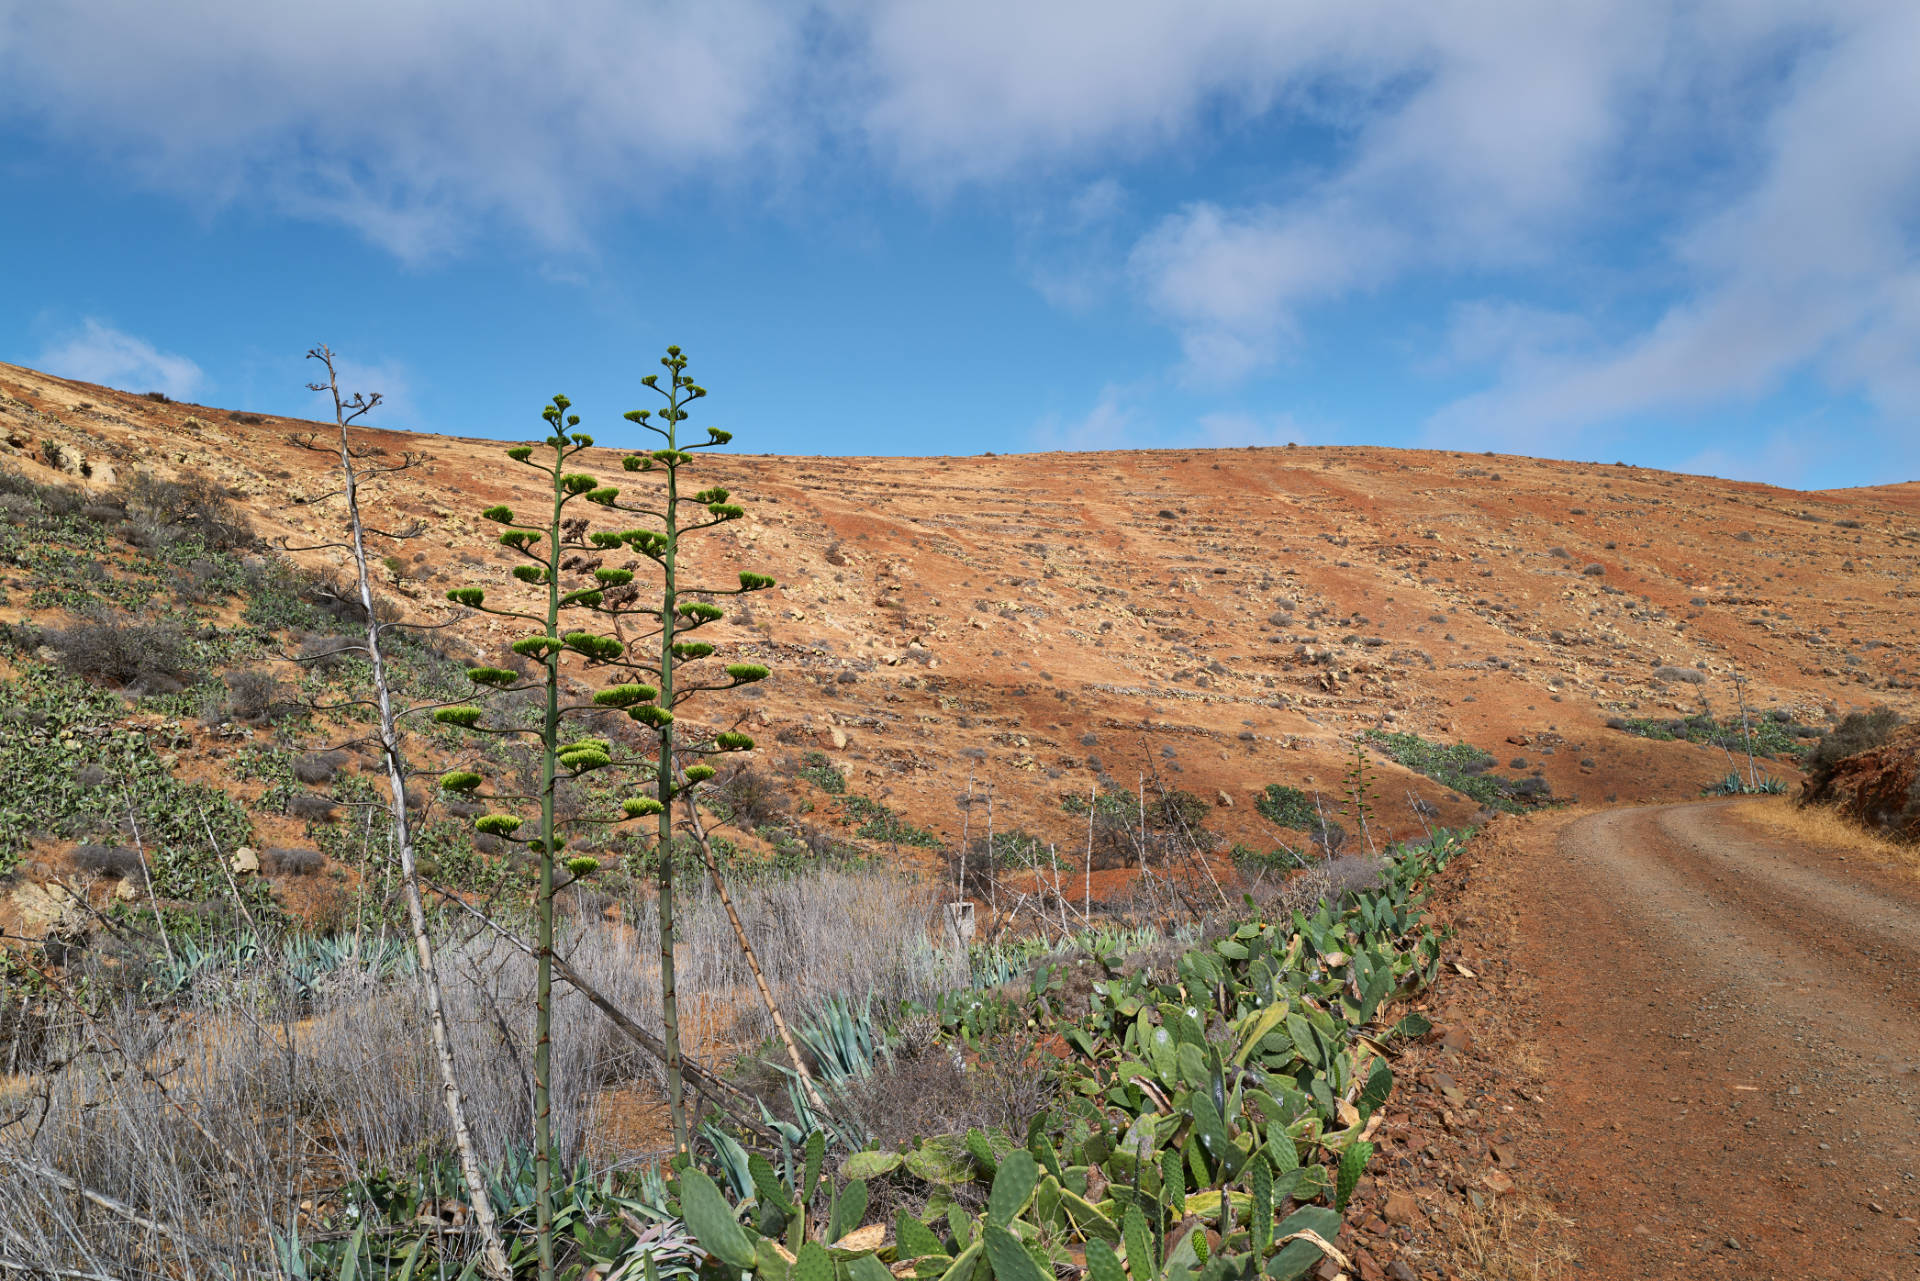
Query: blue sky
{"type": "Point", "coordinates": [1679, 234]}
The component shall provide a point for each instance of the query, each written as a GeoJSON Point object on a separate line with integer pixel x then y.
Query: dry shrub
{"type": "Point", "coordinates": [325, 652]}
{"type": "Point", "coordinates": [310, 807]}
{"type": "Point", "coordinates": [251, 694]}
{"type": "Point", "coordinates": [148, 658]}
{"type": "Point", "coordinates": [754, 799]}
{"type": "Point", "coordinates": [281, 861]}
{"type": "Point", "coordinates": [115, 861]}
{"type": "Point", "coordinates": [189, 504]}
{"type": "Point", "coordinates": [316, 768]}
{"type": "Point", "coordinates": [932, 1089]}
{"type": "Point", "coordinates": [1858, 732]}
{"type": "Point", "coordinates": [294, 1106]}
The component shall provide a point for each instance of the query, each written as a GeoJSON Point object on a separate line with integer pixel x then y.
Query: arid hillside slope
{"type": "Point", "coordinates": [1225, 619]}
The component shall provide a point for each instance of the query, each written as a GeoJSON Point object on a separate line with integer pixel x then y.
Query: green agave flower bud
{"type": "Point", "coordinates": [614, 577]}
{"type": "Point", "coordinates": [466, 596]}
{"type": "Point", "coordinates": [636, 463]}
{"type": "Point", "coordinates": [625, 695]}
{"type": "Point", "coordinates": [499, 512]}
{"type": "Point", "coordinates": [733, 741]}
{"type": "Point", "coordinates": [754, 582]}
{"type": "Point", "coordinates": [641, 806]}
{"type": "Point", "coordinates": [581, 760]}
{"type": "Point", "coordinates": [583, 866]}
{"type": "Point", "coordinates": [691, 650]}
{"type": "Point", "coordinates": [600, 538]}
{"type": "Point", "coordinates": [727, 511]}
{"type": "Point", "coordinates": [719, 437]}
{"type": "Point", "coordinates": [650, 715]}
{"type": "Point", "coordinates": [603, 496]}
{"type": "Point", "coordinates": [747, 673]}
{"type": "Point", "coordinates": [520, 453]}
{"type": "Point", "coordinates": [497, 824]}
{"type": "Point", "coordinates": [464, 717]}
{"type": "Point", "coordinates": [459, 780]}
{"type": "Point", "coordinates": [577, 484]}
{"type": "Point", "coordinates": [537, 646]}
{"type": "Point", "coordinates": [530, 574]}
{"type": "Point", "coordinates": [700, 611]}
{"type": "Point", "coordinates": [699, 773]}
{"type": "Point", "coordinates": [714, 495]}
{"type": "Point", "coordinates": [498, 677]}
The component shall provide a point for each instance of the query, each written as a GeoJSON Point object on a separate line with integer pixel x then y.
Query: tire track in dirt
{"type": "Point", "coordinates": [1730, 1027]}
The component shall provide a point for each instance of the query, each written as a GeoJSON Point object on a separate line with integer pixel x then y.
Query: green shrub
{"type": "Point", "coordinates": [1287, 807]}
{"type": "Point", "coordinates": [821, 772]}
{"type": "Point", "coordinates": [1857, 732]}
{"type": "Point", "coordinates": [1463, 768]}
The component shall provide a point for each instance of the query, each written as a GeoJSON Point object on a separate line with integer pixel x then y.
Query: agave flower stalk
{"type": "Point", "coordinates": [640, 661]}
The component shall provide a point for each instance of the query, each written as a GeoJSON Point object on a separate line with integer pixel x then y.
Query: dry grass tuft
{"type": "Point", "coordinates": [1824, 827]}
{"type": "Point", "coordinates": [1512, 1238]}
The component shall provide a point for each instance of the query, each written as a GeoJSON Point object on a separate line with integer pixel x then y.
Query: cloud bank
{"type": "Point", "coordinates": [1701, 200]}
{"type": "Point", "coordinates": [99, 353]}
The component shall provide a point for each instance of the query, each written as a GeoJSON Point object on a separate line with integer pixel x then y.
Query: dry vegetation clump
{"type": "Point", "coordinates": [282, 861]}
{"type": "Point", "coordinates": [218, 1123]}
{"type": "Point", "coordinates": [115, 861]}
{"type": "Point", "coordinates": [110, 648]}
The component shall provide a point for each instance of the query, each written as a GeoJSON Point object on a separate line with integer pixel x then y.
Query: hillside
{"type": "Point", "coordinates": [1225, 619]}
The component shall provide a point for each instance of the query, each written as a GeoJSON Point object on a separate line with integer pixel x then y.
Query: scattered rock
{"type": "Point", "coordinates": [245, 861]}
{"type": "Point", "coordinates": [1400, 1209]}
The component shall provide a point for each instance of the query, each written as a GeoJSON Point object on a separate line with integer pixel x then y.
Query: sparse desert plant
{"type": "Point", "coordinates": [117, 650]}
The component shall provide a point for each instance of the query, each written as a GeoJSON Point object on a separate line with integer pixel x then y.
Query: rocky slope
{"type": "Point", "coordinates": [1220, 620]}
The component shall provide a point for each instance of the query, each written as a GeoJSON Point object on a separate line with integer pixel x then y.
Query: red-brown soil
{"type": "Point", "coordinates": [1225, 618]}
{"type": "Point", "coordinates": [1689, 1047]}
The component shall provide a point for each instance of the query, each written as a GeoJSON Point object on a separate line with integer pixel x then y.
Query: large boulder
{"type": "Point", "coordinates": [1878, 788]}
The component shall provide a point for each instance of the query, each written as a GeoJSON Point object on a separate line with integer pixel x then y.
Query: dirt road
{"type": "Point", "coordinates": [1728, 1029]}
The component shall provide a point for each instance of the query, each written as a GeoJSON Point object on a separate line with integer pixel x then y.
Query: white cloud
{"type": "Point", "coordinates": [1813, 268]}
{"type": "Point", "coordinates": [99, 353]}
{"type": "Point", "coordinates": [1112, 423]}
{"type": "Point", "coordinates": [1761, 157]}
{"type": "Point", "coordinates": [412, 120]}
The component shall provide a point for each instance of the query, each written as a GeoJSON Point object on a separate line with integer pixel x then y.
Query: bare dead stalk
{"type": "Point", "coordinates": [493, 1254]}
{"type": "Point", "coordinates": [110, 1204]}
